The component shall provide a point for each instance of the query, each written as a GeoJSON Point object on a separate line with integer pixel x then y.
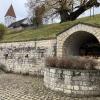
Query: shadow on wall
{"type": "Point", "coordinates": [36, 72]}
{"type": "Point", "coordinates": [3, 68]}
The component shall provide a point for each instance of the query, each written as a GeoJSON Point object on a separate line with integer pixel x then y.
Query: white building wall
{"type": "Point", "coordinates": [9, 20]}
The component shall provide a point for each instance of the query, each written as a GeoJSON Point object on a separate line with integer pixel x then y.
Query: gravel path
{"type": "Point", "coordinates": [20, 87]}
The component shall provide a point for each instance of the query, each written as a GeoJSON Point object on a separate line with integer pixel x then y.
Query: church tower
{"type": "Point", "coordinates": [10, 16]}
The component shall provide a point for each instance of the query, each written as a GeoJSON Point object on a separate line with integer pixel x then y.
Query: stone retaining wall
{"type": "Point", "coordinates": [26, 57]}
{"type": "Point", "coordinates": [73, 82]}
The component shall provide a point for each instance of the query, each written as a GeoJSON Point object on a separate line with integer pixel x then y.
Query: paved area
{"type": "Point", "coordinates": [20, 87]}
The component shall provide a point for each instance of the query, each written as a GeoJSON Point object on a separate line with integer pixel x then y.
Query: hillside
{"type": "Point", "coordinates": [46, 31]}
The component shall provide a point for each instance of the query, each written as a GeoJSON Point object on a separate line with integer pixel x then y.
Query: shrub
{"type": "Point", "coordinates": [71, 63]}
{"type": "Point", "coordinates": [2, 30]}
{"type": "Point", "coordinates": [51, 62]}
{"type": "Point", "coordinates": [83, 63]}
{"type": "Point", "coordinates": [63, 63]}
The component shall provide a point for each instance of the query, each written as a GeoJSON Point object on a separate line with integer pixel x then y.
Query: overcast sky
{"type": "Point", "coordinates": [21, 10]}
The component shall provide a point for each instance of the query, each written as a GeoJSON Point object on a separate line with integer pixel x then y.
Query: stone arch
{"type": "Point", "coordinates": [76, 41]}
{"type": "Point", "coordinates": [78, 31]}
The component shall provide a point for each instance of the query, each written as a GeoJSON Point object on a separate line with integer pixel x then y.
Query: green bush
{"type": "Point", "coordinates": [2, 30]}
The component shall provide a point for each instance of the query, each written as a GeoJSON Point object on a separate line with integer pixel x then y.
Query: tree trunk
{"type": "Point", "coordinates": [77, 13]}
{"type": "Point", "coordinates": [66, 16]}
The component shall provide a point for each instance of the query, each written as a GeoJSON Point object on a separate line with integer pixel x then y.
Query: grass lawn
{"type": "Point", "coordinates": [46, 31]}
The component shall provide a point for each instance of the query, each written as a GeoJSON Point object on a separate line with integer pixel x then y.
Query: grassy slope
{"type": "Point", "coordinates": [47, 31]}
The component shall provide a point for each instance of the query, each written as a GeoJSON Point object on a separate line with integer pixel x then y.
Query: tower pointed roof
{"type": "Point", "coordinates": [11, 12]}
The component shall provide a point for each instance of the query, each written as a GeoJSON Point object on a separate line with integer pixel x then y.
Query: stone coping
{"type": "Point", "coordinates": [28, 40]}
{"type": "Point", "coordinates": [84, 70]}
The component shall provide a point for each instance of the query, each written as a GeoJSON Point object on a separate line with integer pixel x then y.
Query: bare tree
{"type": "Point", "coordinates": [67, 9]}
{"type": "Point", "coordinates": [39, 12]}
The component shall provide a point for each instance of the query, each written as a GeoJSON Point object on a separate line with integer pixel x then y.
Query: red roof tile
{"type": "Point", "coordinates": [10, 12]}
